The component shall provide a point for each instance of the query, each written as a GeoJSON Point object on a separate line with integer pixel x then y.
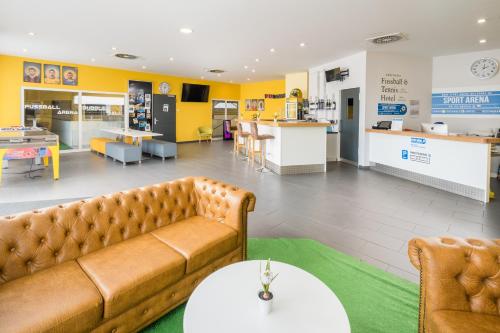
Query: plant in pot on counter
{"type": "Point", "coordinates": [265, 295]}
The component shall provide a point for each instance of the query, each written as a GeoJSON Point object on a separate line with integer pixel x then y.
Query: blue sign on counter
{"type": "Point", "coordinates": [419, 141]}
{"type": "Point", "coordinates": [391, 109]}
{"type": "Point", "coordinates": [478, 102]}
{"type": "Point", "coordinates": [404, 154]}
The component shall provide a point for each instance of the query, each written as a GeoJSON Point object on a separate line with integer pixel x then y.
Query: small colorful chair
{"type": "Point", "coordinates": [205, 133]}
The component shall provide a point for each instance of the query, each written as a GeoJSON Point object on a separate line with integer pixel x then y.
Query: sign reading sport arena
{"type": "Point", "coordinates": [460, 103]}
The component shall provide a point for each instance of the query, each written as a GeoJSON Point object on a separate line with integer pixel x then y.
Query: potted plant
{"type": "Point", "coordinates": [265, 295]}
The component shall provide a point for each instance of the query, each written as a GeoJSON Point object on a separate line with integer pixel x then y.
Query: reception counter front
{"type": "Point", "coordinates": [297, 147]}
{"type": "Point", "coordinates": [457, 164]}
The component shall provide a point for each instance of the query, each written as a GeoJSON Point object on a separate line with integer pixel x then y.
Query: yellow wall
{"type": "Point", "coordinates": [189, 115]}
{"type": "Point", "coordinates": [257, 90]}
{"type": "Point", "coordinates": [297, 80]}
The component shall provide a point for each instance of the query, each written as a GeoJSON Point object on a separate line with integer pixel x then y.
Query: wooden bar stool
{"type": "Point", "coordinates": [254, 133]}
{"type": "Point", "coordinates": [245, 136]}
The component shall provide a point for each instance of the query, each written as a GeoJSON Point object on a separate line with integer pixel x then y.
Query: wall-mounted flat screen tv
{"type": "Point", "coordinates": [333, 75]}
{"type": "Point", "coordinates": [195, 92]}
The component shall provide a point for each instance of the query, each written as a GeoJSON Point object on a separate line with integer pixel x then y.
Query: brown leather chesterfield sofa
{"type": "Point", "coordinates": [459, 284]}
{"type": "Point", "coordinates": [118, 262]}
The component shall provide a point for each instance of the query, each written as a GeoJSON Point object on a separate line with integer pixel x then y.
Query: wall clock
{"type": "Point", "coordinates": [484, 68]}
{"type": "Point", "coordinates": [164, 88]}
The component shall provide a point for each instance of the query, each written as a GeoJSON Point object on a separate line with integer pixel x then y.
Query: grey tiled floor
{"type": "Point", "coordinates": [360, 212]}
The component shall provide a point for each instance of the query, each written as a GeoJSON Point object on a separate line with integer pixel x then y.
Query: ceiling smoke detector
{"type": "Point", "coordinates": [126, 56]}
{"type": "Point", "coordinates": [216, 71]}
{"type": "Point", "coordinates": [387, 39]}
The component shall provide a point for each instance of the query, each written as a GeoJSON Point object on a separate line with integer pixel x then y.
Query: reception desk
{"type": "Point", "coordinates": [457, 164]}
{"type": "Point", "coordinates": [297, 147]}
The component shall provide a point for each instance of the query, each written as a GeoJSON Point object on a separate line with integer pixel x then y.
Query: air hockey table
{"type": "Point", "coordinates": [29, 143]}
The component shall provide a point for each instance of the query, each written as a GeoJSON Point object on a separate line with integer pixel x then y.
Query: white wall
{"type": "Point", "coordinates": [417, 71]}
{"type": "Point", "coordinates": [357, 79]}
{"type": "Point", "coordinates": [452, 74]}
{"type": "Point", "coordinates": [365, 72]}
{"type": "Point", "coordinates": [417, 74]}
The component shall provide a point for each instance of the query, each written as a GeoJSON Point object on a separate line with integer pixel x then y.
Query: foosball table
{"type": "Point", "coordinates": [29, 143]}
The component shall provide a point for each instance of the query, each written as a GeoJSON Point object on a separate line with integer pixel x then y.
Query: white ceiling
{"type": "Point", "coordinates": [229, 34]}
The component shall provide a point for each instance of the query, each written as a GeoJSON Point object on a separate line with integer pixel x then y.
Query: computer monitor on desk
{"type": "Point", "coordinates": [441, 129]}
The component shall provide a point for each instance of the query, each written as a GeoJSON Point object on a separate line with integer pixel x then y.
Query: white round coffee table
{"type": "Point", "coordinates": [227, 301]}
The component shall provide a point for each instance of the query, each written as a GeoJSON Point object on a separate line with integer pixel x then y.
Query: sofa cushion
{"type": "Point", "coordinates": [59, 299]}
{"type": "Point", "coordinates": [199, 240]}
{"type": "Point", "coordinates": [128, 272]}
{"type": "Point", "coordinates": [463, 322]}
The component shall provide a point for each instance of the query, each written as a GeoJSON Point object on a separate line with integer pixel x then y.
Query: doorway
{"type": "Point", "coordinates": [223, 110]}
{"type": "Point", "coordinates": [349, 124]}
{"type": "Point", "coordinates": [164, 117]}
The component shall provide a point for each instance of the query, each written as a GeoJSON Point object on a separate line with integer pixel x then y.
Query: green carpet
{"type": "Point", "coordinates": [63, 146]}
{"type": "Point", "coordinates": [375, 301]}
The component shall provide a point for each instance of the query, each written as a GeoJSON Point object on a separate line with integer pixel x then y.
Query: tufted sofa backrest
{"type": "Point", "coordinates": [458, 274]}
{"type": "Point", "coordinates": [36, 240]}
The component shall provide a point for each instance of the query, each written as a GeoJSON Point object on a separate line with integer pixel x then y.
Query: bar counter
{"type": "Point", "coordinates": [461, 138]}
{"type": "Point", "coordinates": [297, 147]}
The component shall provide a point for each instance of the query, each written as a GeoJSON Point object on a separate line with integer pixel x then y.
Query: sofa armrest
{"type": "Point", "coordinates": [225, 203]}
{"type": "Point", "coordinates": [456, 274]}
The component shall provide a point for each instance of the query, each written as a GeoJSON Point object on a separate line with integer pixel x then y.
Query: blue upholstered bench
{"type": "Point", "coordinates": [159, 148]}
{"type": "Point", "coordinates": [123, 152]}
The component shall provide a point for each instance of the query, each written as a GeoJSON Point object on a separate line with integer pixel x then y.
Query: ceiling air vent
{"type": "Point", "coordinates": [126, 56]}
{"type": "Point", "coordinates": [387, 39]}
{"type": "Point", "coordinates": [216, 71]}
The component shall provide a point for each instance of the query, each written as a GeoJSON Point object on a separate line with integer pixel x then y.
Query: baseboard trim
{"type": "Point", "coordinates": [441, 184]}
{"type": "Point", "coordinates": [295, 169]}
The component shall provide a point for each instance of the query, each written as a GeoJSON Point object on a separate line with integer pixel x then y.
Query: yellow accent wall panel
{"type": "Point", "coordinates": [297, 80]}
{"type": "Point", "coordinates": [257, 90]}
{"type": "Point", "coordinates": [190, 116]}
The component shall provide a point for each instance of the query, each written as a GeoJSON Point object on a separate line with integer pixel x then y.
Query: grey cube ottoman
{"type": "Point", "coordinates": [123, 152]}
{"type": "Point", "coordinates": [159, 148]}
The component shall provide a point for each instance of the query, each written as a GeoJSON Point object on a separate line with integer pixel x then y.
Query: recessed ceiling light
{"type": "Point", "coordinates": [253, 70]}
{"type": "Point", "coordinates": [92, 59]}
{"type": "Point", "coordinates": [144, 67]}
{"type": "Point", "coordinates": [245, 67]}
{"type": "Point", "coordinates": [481, 20]}
{"type": "Point", "coordinates": [113, 48]}
{"type": "Point", "coordinates": [272, 50]}
{"type": "Point", "coordinates": [31, 34]}
{"type": "Point", "coordinates": [218, 75]}
{"type": "Point", "coordinates": [25, 50]}
{"type": "Point", "coordinates": [482, 41]}
{"type": "Point", "coordinates": [302, 44]}
{"type": "Point", "coordinates": [257, 59]}
{"type": "Point", "coordinates": [171, 58]}
{"type": "Point", "coordinates": [186, 31]}
{"type": "Point", "coordinates": [248, 79]}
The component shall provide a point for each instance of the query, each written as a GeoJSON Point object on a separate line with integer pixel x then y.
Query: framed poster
{"type": "Point", "coordinates": [70, 76]}
{"type": "Point", "coordinates": [260, 105]}
{"type": "Point", "coordinates": [32, 72]}
{"type": "Point", "coordinates": [254, 105]}
{"type": "Point", "coordinates": [51, 74]}
{"type": "Point", "coordinates": [140, 95]}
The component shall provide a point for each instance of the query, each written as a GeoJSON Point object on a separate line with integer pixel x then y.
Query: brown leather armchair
{"type": "Point", "coordinates": [459, 284]}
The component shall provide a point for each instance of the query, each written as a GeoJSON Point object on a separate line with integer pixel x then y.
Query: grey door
{"type": "Point", "coordinates": [164, 117]}
{"type": "Point", "coordinates": [349, 124]}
